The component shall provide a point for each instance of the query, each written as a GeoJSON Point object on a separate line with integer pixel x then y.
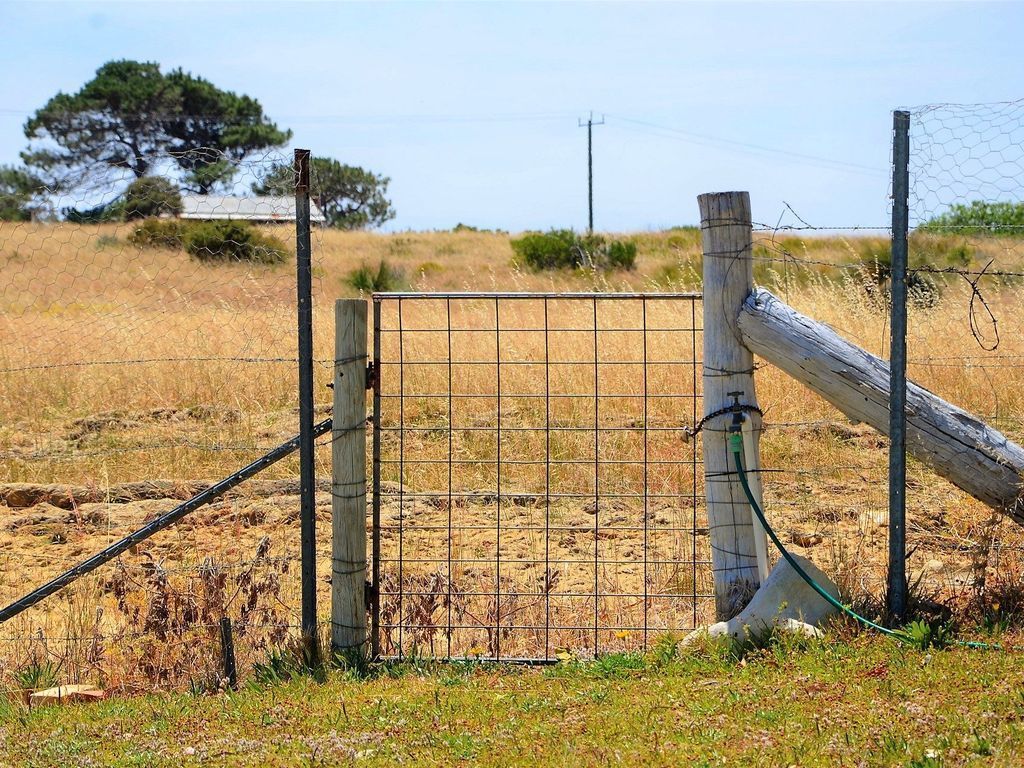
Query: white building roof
{"type": "Point", "coordinates": [256, 208]}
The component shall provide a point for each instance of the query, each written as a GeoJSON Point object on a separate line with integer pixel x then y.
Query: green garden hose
{"type": "Point", "coordinates": [736, 446]}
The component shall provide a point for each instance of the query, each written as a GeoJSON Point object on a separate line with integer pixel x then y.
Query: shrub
{"type": "Point", "coordinates": [563, 248]}
{"type": "Point", "coordinates": [96, 215]}
{"type": "Point", "coordinates": [211, 240]}
{"type": "Point", "coordinates": [107, 241]}
{"type": "Point", "coordinates": [385, 278]}
{"type": "Point", "coordinates": [232, 241]}
{"type": "Point", "coordinates": [939, 251]}
{"type": "Point", "coordinates": [979, 217]}
{"type": "Point", "coordinates": [154, 233]}
{"type": "Point", "coordinates": [550, 250]}
{"type": "Point", "coordinates": [621, 254]}
{"type": "Point", "coordinates": [150, 196]}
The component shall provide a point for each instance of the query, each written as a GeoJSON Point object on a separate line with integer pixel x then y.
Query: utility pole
{"type": "Point", "coordinates": [590, 167]}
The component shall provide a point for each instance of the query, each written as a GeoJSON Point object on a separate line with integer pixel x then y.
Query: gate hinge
{"type": "Point", "coordinates": [371, 375]}
{"type": "Point", "coordinates": [370, 594]}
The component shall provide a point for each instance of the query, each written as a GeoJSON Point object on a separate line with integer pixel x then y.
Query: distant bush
{"type": "Point", "coordinates": [979, 217]}
{"type": "Point", "coordinates": [384, 278]}
{"type": "Point", "coordinates": [150, 196]}
{"type": "Point", "coordinates": [460, 227]}
{"type": "Point", "coordinates": [874, 257]}
{"type": "Point", "coordinates": [547, 250]}
{"type": "Point", "coordinates": [619, 254]}
{"type": "Point", "coordinates": [232, 241]}
{"type": "Point", "coordinates": [107, 241]}
{"type": "Point", "coordinates": [156, 233]}
{"type": "Point", "coordinates": [211, 240]}
{"type": "Point", "coordinates": [98, 214]}
{"type": "Point", "coordinates": [563, 248]}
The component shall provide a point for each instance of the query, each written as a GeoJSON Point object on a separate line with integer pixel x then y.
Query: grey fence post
{"type": "Point", "coordinates": [307, 471]}
{"type": "Point", "coordinates": [726, 228]}
{"type": "Point", "coordinates": [348, 485]}
{"type": "Point", "coordinates": [896, 594]}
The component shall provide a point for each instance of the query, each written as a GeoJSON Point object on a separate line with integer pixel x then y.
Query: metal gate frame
{"type": "Point", "coordinates": [697, 560]}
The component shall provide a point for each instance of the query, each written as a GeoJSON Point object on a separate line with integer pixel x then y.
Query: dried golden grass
{"type": "Point", "coordinates": [70, 297]}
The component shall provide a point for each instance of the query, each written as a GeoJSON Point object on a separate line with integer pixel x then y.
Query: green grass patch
{"type": "Point", "coordinates": [862, 701]}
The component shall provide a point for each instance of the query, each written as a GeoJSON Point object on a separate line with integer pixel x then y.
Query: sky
{"type": "Point", "coordinates": [473, 109]}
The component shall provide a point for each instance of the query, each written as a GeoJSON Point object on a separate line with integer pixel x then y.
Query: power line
{"type": "Point", "coordinates": [507, 117]}
{"type": "Point", "coordinates": [705, 140]}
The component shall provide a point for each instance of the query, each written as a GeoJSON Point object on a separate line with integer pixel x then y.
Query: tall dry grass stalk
{"type": "Point", "coordinates": [219, 388]}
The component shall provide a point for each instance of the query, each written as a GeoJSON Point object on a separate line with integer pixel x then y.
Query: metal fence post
{"type": "Point", "coordinates": [307, 477]}
{"type": "Point", "coordinates": [896, 595]}
{"type": "Point", "coordinates": [348, 483]}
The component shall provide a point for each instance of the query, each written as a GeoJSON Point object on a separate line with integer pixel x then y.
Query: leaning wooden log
{"type": "Point", "coordinates": [956, 444]}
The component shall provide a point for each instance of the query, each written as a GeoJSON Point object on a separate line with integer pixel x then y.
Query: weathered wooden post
{"type": "Point", "coordinates": [728, 368]}
{"type": "Point", "coordinates": [348, 484]}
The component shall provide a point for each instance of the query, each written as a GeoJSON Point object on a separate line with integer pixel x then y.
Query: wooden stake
{"type": "Point", "coordinates": [728, 368]}
{"type": "Point", "coordinates": [348, 486]}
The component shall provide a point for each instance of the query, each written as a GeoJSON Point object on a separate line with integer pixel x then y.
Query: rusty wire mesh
{"type": "Point", "coordinates": [535, 492]}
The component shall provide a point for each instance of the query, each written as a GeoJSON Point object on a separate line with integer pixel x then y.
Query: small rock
{"type": "Point", "coordinates": [66, 694]}
{"type": "Point", "coordinates": [873, 518]}
{"type": "Point", "coordinates": [805, 539]}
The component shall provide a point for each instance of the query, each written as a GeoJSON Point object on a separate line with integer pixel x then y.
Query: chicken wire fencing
{"type": "Point", "coordinates": [147, 349]}
{"type": "Point", "coordinates": [965, 324]}
{"type": "Point", "coordinates": [534, 491]}
{"type": "Point", "coordinates": [825, 477]}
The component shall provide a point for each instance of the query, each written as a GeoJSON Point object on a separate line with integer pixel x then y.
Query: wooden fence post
{"type": "Point", "coordinates": [728, 367]}
{"type": "Point", "coordinates": [348, 483]}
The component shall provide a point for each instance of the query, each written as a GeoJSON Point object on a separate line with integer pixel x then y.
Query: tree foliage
{"type": "Point", "coordinates": [150, 196]}
{"type": "Point", "coordinates": [349, 197]}
{"type": "Point", "coordinates": [130, 117]}
{"type": "Point", "coordinates": [215, 130]}
{"type": "Point", "coordinates": [979, 217]}
{"type": "Point", "coordinates": [17, 188]}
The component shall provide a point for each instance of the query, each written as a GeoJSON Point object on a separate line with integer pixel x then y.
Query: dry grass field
{"type": "Point", "coordinates": [130, 377]}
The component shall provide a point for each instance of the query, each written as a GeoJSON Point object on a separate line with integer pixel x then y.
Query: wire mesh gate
{"type": "Point", "coordinates": [533, 490]}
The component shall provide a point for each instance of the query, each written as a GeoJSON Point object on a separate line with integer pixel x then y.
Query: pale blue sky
{"type": "Point", "coordinates": [472, 108]}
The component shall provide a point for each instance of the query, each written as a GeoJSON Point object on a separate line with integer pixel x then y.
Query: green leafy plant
{"type": "Point", "coordinates": [232, 241]}
{"type": "Point", "coordinates": [211, 240]}
{"type": "Point", "coordinates": [154, 233]}
{"type": "Point", "coordinates": [384, 278]}
{"type": "Point", "coordinates": [298, 657]}
{"type": "Point", "coordinates": [565, 249]}
{"type": "Point", "coordinates": [930, 634]}
{"type": "Point", "coordinates": [982, 746]}
{"type": "Point", "coordinates": [664, 650]}
{"type": "Point", "coordinates": [37, 675]}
